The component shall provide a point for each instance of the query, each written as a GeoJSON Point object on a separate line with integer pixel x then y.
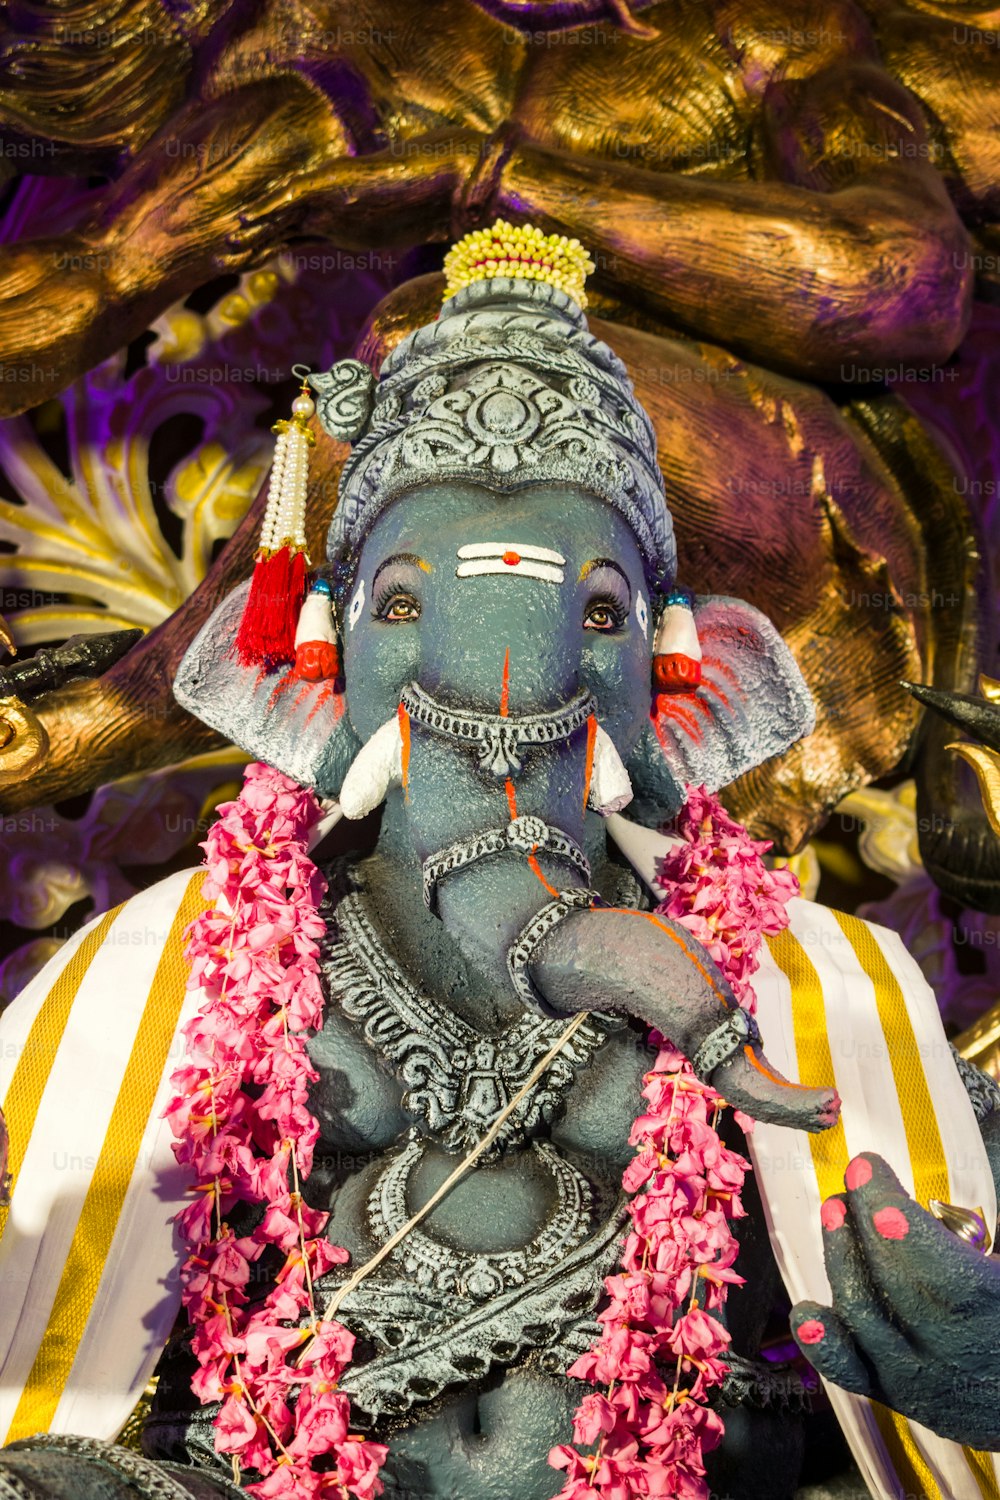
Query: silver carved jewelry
{"type": "Point", "coordinates": [457, 1079]}
{"type": "Point", "coordinates": [498, 737]}
{"type": "Point", "coordinates": [477, 1275]}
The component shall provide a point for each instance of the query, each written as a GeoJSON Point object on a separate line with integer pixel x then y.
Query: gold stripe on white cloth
{"type": "Point", "coordinates": [819, 1010]}
{"type": "Point", "coordinates": [133, 1301]}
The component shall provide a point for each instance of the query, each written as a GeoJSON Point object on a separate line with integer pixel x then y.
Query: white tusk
{"type": "Point", "coordinates": [377, 766]}
{"type": "Point", "coordinates": [332, 814]}
{"type": "Point", "coordinates": [644, 848]}
{"type": "Point", "coordinates": [610, 788]}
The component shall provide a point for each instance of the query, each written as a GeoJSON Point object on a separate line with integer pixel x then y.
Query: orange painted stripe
{"type": "Point", "coordinates": [404, 734]}
{"type": "Point", "coordinates": [505, 689]}
{"type": "Point", "coordinates": [511, 797]}
{"type": "Point", "coordinates": [674, 937]}
{"type": "Point", "coordinates": [723, 667]}
{"type": "Point", "coordinates": [669, 706]}
{"type": "Point", "coordinates": [713, 687]}
{"type": "Point", "coordinates": [326, 692]}
{"type": "Point", "coordinates": [756, 1063]}
{"type": "Point", "coordinates": [588, 767]}
{"type": "Point", "coordinates": [537, 870]}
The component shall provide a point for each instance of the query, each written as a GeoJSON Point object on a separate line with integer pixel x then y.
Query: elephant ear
{"type": "Point", "coordinates": [752, 703]}
{"type": "Point", "coordinates": [301, 728]}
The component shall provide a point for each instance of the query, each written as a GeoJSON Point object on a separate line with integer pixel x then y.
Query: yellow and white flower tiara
{"type": "Point", "coordinates": [522, 250]}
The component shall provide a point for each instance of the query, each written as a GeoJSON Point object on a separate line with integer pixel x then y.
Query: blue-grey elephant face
{"type": "Point", "coordinates": [481, 598]}
{"type": "Point", "coordinates": [434, 601]}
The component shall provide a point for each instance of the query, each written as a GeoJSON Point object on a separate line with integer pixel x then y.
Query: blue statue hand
{"type": "Point", "coordinates": [915, 1322]}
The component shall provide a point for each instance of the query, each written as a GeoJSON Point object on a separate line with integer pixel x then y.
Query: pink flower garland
{"type": "Point", "coordinates": [662, 1351]}
{"type": "Point", "coordinates": [241, 1117]}
{"type": "Point", "coordinates": [243, 1124]}
{"type": "Point", "coordinates": [720, 889]}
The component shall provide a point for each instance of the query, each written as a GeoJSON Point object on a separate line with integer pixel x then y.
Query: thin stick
{"type": "Point", "coordinates": [464, 1166]}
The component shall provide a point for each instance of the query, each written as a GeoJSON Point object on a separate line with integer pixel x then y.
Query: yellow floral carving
{"type": "Point", "coordinates": [89, 550]}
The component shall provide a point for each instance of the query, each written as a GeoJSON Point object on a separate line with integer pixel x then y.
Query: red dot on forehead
{"type": "Point", "coordinates": [511, 558]}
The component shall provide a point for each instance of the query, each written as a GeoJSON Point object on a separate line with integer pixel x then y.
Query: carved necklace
{"type": "Point", "coordinates": [457, 1080]}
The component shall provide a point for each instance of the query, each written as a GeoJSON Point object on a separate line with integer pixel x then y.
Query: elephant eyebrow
{"type": "Point", "coordinates": [401, 557]}
{"type": "Point", "coordinates": [606, 562]}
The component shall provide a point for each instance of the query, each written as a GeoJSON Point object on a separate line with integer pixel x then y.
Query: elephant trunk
{"type": "Point", "coordinates": [644, 965]}
{"type": "Point", "coordinates": [495, 812]}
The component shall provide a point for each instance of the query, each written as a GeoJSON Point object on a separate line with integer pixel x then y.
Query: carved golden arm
{"type": "Point", "coordinates": [223, 188]}
{"type": "Point", "coordinates": [804, 278]}
{"type": "Point", "coordinates": [851, 257]}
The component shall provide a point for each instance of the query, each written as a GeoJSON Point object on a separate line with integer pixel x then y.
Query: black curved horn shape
{"type": "Point", "coordinates": [976, 717]}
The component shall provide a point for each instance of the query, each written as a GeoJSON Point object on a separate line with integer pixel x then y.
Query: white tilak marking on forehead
{"type": "Point", "coordinates": [523, 567]}
{"type": "Point", "coordinates": [497, 549]}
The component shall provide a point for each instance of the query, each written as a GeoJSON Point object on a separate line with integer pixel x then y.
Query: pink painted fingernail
{"type": "Point", "coordinates": [832, 1214]}
{"type": "Point", "coordinates": [891, 1223]}
{"type": "Point", "coordinates": [858, 1173]}
{"type": "Point", "coordinates": [811, 1331]}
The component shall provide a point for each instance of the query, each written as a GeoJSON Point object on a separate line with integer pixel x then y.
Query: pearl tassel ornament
{"type": "Point", "coordinates": [266, 635]}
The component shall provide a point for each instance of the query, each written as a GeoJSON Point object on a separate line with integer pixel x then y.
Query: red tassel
{"type": "Point", "coordinates": [675, 673]}
{"type": "Point", "coordinates": [266, 637]}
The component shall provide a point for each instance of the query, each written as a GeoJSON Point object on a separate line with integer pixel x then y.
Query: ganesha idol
{"type": "Point", "coordinates": [337, 1148]}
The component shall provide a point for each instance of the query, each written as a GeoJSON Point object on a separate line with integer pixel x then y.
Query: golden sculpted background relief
{"type": "Point", "coordinates": [790, 208]}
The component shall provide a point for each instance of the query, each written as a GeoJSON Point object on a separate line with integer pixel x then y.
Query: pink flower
{"type": "Point", "coordinates": [640, 1170]}
{"type": "Point", "coordinates": [289, 1481]}
{"type": "Point", "coordinates": [621, 1477]}
{"type": "Point", "coordinates": [577, 1467]}
{"type": "Point", "coordinates": [266, 1343]}
{"type": "Point", "coordinates": [677, 1428]}
{"type": "Point", "coordinates": [320, 1424]}
{"type": "Point", "coordinates": [709, 1373]}
{"type": "Point", "coordinates": [238, 1431]}
{"type": "Point", "coordinates": [595, 1415]}
{"type": "Point", "coordinates": [718, 886]}
{"type": "Point", "coordinates": [697, 1336]}
{"type": "Point", "coordinates": [631, 1299]}
{"type": "Point", "coordinates": [279, 1226]}
{"type": "Point", "coordinates": [229, 1269]}
{"type": "Point", "coordinates": [623, 1354]}
{"type": "Point", "coordinates": [241, 1116]}
{"type": "Point", "coordinates": [358, 1463]}
{"type": "Point", "coordinates": [687, 1185]}
{"type": "Point", "coordinates": [331, 1350]}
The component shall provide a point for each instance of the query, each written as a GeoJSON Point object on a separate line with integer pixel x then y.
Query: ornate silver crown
{"type": "Point", "coordinates": [508, 387]}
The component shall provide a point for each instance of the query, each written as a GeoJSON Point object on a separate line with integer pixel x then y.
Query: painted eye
{"type": "Point", "coordinates": [399, 609]}
{"type": "Point", "coordinates": [602, 615]}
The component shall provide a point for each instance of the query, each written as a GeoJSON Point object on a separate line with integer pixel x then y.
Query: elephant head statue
{"type": "Point", "coordinates": [498, 566]}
